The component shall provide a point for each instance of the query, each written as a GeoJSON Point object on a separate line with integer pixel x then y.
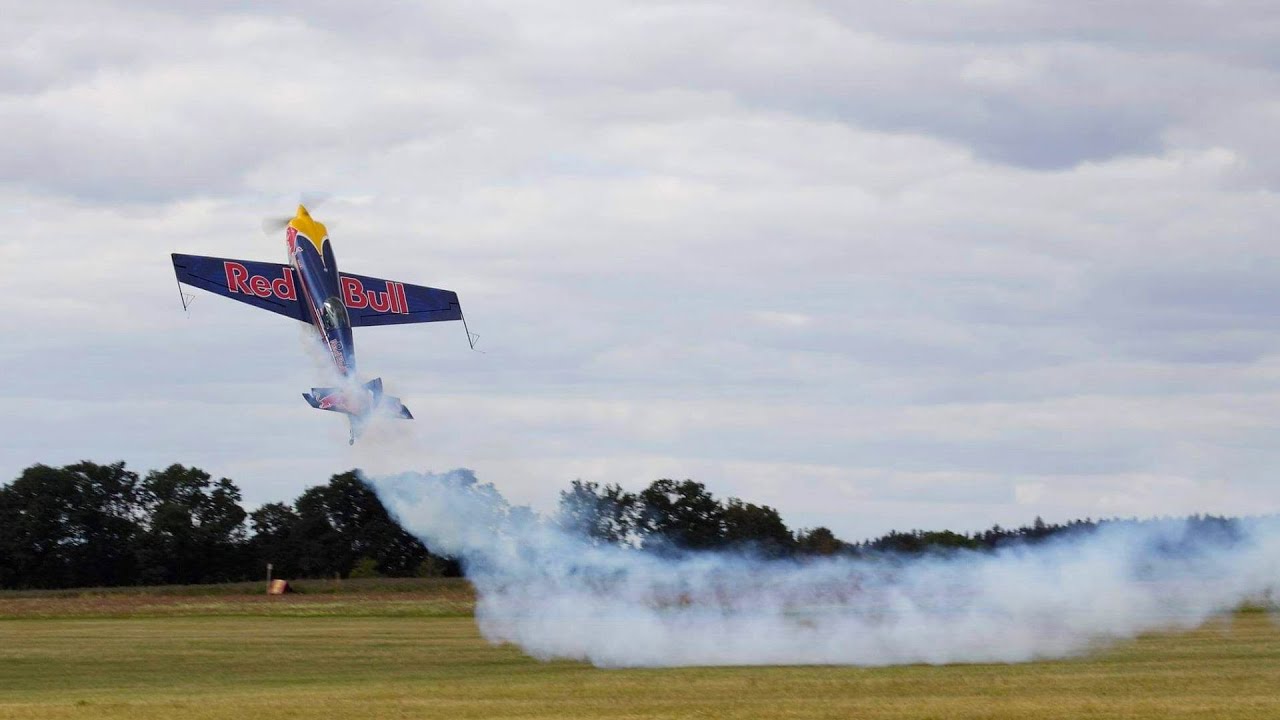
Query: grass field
{"type": "Point", "coordinates": [412, 651]}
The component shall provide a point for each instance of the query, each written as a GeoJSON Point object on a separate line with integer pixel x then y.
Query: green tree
{"type": "Point", "coordinates": [606, 514]}
{"type": "Point", "coordinates": [680, 514]}
{"type": "Point", "coordinates": [72, 526]}
{"type": "Point", "coordinates": [819, 541]}
{"type": "Point", "coordinates": [344, 521]}
{"type": "Point", "coordinates": [365, 568]}
{"type": "Point", "coordinates": [274, 539]}
{"type": "Point", "coordinates": [195, 530]}
{"type": "Point", "coordinates": [110, 524]}
{"type": "Point", "coordinates": [758, 528]}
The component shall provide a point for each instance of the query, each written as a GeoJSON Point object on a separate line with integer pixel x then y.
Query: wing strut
{"type": "Point", "coordinates": [471, 337]}
{"type": "Point", "coordinates": [186, 299]}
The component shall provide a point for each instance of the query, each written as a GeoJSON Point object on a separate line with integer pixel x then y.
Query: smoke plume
{"type": "Point", "coordinates": [559, 595]}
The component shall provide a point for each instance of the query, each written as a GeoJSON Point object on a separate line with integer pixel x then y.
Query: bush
{"type": "Point", "coordinates": [365, 567]}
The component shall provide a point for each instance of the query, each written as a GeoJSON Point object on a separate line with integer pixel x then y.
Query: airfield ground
{"type": "Point", "coordinates": [385, 649]}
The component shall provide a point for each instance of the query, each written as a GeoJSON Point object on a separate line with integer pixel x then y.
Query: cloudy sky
{"type": "Point", "coordinates": [878, 264]}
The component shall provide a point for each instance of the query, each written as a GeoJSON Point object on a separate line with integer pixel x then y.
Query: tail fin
{"type": "Point", "coordinates": [386, 402]}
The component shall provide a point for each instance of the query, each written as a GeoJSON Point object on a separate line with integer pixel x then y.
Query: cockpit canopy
{"type": "Point", "coordinates": [333, 315]}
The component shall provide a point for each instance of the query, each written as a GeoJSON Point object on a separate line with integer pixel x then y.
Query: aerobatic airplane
{"type": "Point", "coordinates": [311, 289]}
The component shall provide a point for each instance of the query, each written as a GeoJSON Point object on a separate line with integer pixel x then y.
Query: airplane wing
{"type": "Point", "coordinates": [373, 301]}
{"type": "Point", "coordinates": [266, 285]}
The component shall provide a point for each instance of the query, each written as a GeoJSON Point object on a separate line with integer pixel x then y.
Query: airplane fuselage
{"type": "Point", "coordinates": [320, 290]}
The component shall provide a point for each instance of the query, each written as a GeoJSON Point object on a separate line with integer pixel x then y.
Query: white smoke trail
{"type": "Point", "coordinates": [313, 344]}
{"type": "Point", "coordinates": [560, 596]}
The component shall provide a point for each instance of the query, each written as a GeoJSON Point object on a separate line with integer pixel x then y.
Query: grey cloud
{"type": "Point", "coordinates": [1036, 103]}
{"type": "Point", "coordinates": [197, 104]}
{"type": "Point", "coordinates": [1233, 31]}
{"type": "Point", "coordinates": [201, 103]}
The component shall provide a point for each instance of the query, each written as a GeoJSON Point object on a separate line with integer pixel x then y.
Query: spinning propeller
{"type": "Point", "coordinates": [273, 226]}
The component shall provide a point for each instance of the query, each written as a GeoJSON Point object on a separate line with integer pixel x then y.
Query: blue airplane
{"type": "Point", "coordinates": [311, 289]}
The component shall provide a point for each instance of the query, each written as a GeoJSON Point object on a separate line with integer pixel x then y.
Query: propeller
{"type": "Point", "coordinates": [312, 199]}
{"type": "Point", "coordinates": [274, 225]}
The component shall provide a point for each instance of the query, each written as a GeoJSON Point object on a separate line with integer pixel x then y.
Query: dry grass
{"type": "Point", "coordinates": [392, 666]}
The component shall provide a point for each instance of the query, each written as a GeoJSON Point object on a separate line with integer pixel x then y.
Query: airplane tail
{"type": "Point", "coordinates": [359, 404]}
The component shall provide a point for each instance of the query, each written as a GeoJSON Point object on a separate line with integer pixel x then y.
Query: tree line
{"type": "Point", "coordinates": [679, 516]}
{"type": "Point", "coordinates": [91, 525]}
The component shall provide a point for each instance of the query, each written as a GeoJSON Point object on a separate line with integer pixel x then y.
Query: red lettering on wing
{"type": "Point", "coordinates": [261, 287]}
{"type": "Point", "coordinates": [283, 286]}
{"type": "Point", "coordinates": [380, 301]}
{"type": "Point", "coordinates": [353, 295]}
{"type": "Point", "coordinates": [237, 274]}
{"type": "Point", "coordinates": [240, 281]}
{"type": "Point", "coordinates": [395, 297]}
{"type": "Point", "coordinates": [356, 297]}
{"type": "Point", "coordinates": [402, 307]}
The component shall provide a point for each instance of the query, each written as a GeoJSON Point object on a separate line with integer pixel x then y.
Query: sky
{"type": "Point", "coordinates": [880, 265]}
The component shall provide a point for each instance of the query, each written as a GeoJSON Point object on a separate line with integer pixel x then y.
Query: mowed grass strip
{"type": "Point", "coordinates": [317, 586]}
{"type": "Point", "coordinates": [411, 597]}
{"type": "Point", "coordinates": [438, 667]}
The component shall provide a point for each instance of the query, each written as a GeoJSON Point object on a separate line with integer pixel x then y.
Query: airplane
{"type": "Point", "coordinates": [310, 289]}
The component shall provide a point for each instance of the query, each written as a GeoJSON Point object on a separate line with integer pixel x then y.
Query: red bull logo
{"type": "Point", "coordinates": [356, 402]}
{"type": "Point", "coordinates": [335, 349]}
{"type": "Point", "coordinates": [356, 297]}
{"type": "Point", "coordinates": [335, 401]}
{"type": "Point", "coordinates": [354, 294]}
{"type": "Point", "coordinates": [240, 280]}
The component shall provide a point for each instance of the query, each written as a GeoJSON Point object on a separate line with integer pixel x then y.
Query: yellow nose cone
{"type": "Point", "coordinates": [308, 228]}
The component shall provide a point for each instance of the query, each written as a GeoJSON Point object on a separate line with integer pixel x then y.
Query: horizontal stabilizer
{"type": "Point", "coordinates": [402, 412]}
{"type": "Point", "coordinates": [366, 401]}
